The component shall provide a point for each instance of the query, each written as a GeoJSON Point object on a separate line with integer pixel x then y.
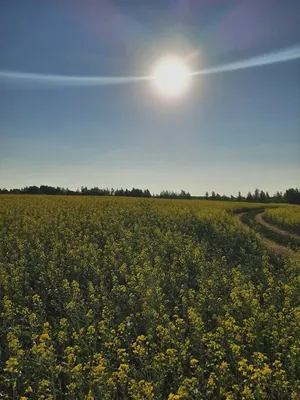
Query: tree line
{"type": "Point", "coordinates": [291, 196]}
{"type": "Point", "coordinates": [95, 191]}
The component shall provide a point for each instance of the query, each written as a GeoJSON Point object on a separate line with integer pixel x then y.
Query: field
{"type": "Point", "coordinates": [285, 217]}
{"type": "Point", "coordinates": [115, 298]}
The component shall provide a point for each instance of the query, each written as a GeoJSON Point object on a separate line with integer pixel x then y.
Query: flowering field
{"type": "Point", "coordinates": [285, 217]}
{"type": "Point", "coordinates": [115, 298]}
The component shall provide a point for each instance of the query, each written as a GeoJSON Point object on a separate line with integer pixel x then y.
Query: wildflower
{"type": "Point", "coordinates": [11, 365]}
{"type": "Point", "coordinates": [44, 337]}
{"type": "Point", "coordinates": [62, 336]}
{"type": "Point", "coordinates": [77, 368]}
{"type": "Point", "coordinates": [89, 396]}
{"type": "Point", "coordinates": [223, 366]}
{"type": "Point", "coordinates": [91, 330]}
{"type": "Point", "coordinates": [211, 380]}
{"type": "Point", "coordinates": [32, 317]}
{"type": "Point", "coordinates": [28, 389]}
{"type": "Point", "coordinates": [173, 397]}
{"type": "Point", "coordinates": [235, 349]}
{"type": "Point", "coordinates": [63, 322]}
{"type": "Point", "coordinates": [36, 299]}
{"type": "Point", "coordinates": [193, 362]}
{"type": "Point", "coordinates": [266, 370]}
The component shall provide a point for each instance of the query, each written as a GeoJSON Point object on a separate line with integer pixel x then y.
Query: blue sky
{"type": "Point", "coordinates": [233, 131]}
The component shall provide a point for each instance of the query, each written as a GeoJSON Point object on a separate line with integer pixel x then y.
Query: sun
{"type": "Point", "coordinates": [171, 77]}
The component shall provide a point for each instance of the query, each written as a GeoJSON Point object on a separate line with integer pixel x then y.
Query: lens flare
{"type": "Point", "coordinates": [171, 77]}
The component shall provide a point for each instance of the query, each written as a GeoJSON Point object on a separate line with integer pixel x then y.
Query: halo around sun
{"type": "Point", "coordinates": [171, 77]}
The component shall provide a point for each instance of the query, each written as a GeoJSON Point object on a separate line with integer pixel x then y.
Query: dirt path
{"type": "Point", "coordinates": [260, 220]}
{"type": "Point", "coordinates": [273, 246]}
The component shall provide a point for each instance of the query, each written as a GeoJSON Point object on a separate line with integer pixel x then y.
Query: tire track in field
{"type": "Point", "coordinates": [259, 218]}
{"type": "Point", "coordinates": [269, 244]}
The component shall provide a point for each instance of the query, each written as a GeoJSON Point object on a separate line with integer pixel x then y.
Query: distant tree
{"type": "Point", "coordinates": [239, 198]}
{"type": "Point", "coordinates": [206, 195]}
{"type": "Point", "coordinates": [225, 198]}
{"type": "Point", "coordinates": [256, 195]}
{"type": "Point", "coordinates": [249, 197]}
{"type": "Point", "coordinates": [119, 192]}
{"type": "Point", "coordinates": [84, 190]}
{"type": "Point", "coordinates": [32, 190]}
{"type": "Point", "coordinates": [182, 194]}
{"type": "Point", "coordinates": [292, 196]}
{"type": "Point", "coordinates": [278, 197]}
{"type": "Point", "coordinates": [262, 196]}
{"type": "Point", "coordinates": [134, 192]}
{"type": "Point", "coordinates": [13, 191]}
{"type": "Point", "coordinates": [213, 195]}
{"type": "Point", "coordinates": [69, 192]}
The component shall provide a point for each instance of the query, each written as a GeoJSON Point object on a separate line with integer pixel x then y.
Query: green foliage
{"type": "Point", "coordinates": [115, 298]}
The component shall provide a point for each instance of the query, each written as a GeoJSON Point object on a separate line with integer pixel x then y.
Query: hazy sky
{"type": "Point", "coordinates": [233, 130]}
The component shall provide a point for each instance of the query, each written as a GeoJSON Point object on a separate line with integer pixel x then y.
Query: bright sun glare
{"type": "Point", "coordinates": [171, 77]}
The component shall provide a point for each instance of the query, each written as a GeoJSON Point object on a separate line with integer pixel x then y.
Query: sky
{"type": "Point", "coordinates": [232, 131]}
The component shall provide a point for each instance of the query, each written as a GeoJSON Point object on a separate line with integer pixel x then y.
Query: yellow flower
{"type": "Point", "coordinates": [235, 349]}
{"type": "Point", "coordinates": [63, 322]}
{"type": "Point", "coordinates": [58, 369]}
{"type": "Point", "coordinates": [91, 330]}
{"type": "Point", "coordinates": [77, 368]}
{"type": "Point", "coordinates": [36, 298]}
{"type": "Point", "coordinates": [44, 383]}
{"type": "Point", "coordinates": [267, 370]}
{"type": "Point", "coordinates": [72, 386]}
{"type": "Point", "coordinates": [254, 376]}
{"type": "Point", "coordinates": [13, 342]}
{"type": "Point", "coordinates": [211, 381]}
{"type": "Point", "coordinates": [62, 336]}
{"type": "Point", "coordinates": [11, 365]}
{"type": "Point", "coordinates": [98, 369]}
{"type": "Point", "coordinates": [89, 396]}
{"type": "Point", "coordinates": [66, 285]}
{"type": "Point", "coordinates": [32, 317]}
{"type": "Point", "coordinates": [44, 337]}
{"type": "Point", "coordinates": [224, 365]}
{"type": "Point", "coordinates": [28, 389]}
{"type": "Point", "coordinates": [193, 362]}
